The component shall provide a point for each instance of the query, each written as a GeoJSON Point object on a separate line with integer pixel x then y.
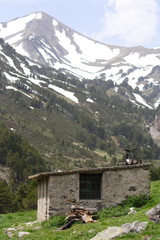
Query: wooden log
{"type": "Point", "coordinates": [87, 219]}
{"type": "Point", "coordinates": [79, 208]}
{"type": "Point", "coordinates": [92, 211]}
{"type": "Point", "coordinates": [75, 207]}
{"type": "Point", "coordinates": [70, 217]}
{"type": "Point", "coordinates": [70, 223]}
{"type": "Point", "coordinates": [80, 212]}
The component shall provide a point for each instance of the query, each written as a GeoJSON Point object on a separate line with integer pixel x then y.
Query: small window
{"type": "Point", "coordinates": [90, 186]}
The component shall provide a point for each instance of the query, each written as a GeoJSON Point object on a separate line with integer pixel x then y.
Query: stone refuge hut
{"type": "Point", "coordinates": [93, 188]}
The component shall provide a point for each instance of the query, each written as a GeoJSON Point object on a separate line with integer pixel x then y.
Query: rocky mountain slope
{"type": "Point", "coordinates": [53, 44]}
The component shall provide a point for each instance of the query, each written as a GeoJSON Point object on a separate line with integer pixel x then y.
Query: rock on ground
{"type": "Point", "coordinates": [109, 233]}
{"type": "Point", "coordinates": [154, 211]}
{"type": "Point", "coordinates": [134, 227]}
{"type": "Point", "coordinates": [21, 234]}
{"type": "Point", "coordinates": [113, 232]}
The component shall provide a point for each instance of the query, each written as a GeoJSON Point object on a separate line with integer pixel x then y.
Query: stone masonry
{"type": "Point", "coordinates": [57, 191]}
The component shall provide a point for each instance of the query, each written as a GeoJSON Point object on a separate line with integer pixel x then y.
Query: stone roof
{"type": "Point", "coordinates": [88, 170]}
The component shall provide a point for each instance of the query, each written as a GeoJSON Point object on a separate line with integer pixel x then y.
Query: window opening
{"type": "Point", "coordinates": [90, 186]}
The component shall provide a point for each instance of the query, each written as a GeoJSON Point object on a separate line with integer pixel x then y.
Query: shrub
{"type": "Point", "coordinates": [123, 208]}
{"type": "Point", "coordinates": [55, 222]}
{"type": "Point", "coordinates": [155, 173]}
{"type": "Point", "coordinates": [136, 201]}
{"type": "Point", "coordinates": [115, 211]}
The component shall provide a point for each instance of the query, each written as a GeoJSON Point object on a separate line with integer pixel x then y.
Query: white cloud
{"type": "Point", "coordinates": [129, 22]}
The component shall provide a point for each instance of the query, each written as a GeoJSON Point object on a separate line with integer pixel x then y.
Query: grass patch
{"type": "Point", "coordinates": [113, 212]}
{"type": "Point", "coordinates": [54, 222]}
{"type": "Point", "coordinates": [13, 220]}
{"type": "Point", "coordinates": [123, 208]}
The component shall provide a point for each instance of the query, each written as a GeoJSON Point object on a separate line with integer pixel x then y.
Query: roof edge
{"type": "Point", "coordinates": [88, 170]}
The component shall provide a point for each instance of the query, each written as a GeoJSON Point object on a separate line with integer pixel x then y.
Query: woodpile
{"type": "Point", "coordinates": [79, 214]}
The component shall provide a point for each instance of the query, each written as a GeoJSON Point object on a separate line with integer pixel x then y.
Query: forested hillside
{"type": "Point", "coordinates": [21, 160]}
{"type": "Point", "coordinates": [69, 134]}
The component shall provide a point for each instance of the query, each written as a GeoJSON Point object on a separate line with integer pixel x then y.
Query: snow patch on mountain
{"type": "Point", "coordinates": [65, 93]}
{"type": "Point", "coordinates": [11, 78]}
{"type": "Point", "coordinates": [157, 103]}
{"type": "Point", "coordinates": [15, 38]}
{"type": "Point", "coordinates": [46, 56]}
{"type": "Point", "coordinates": [89, 100]}
{"type": "Point", "coordinates": [55, 23]}
{"type": "Point", "coordinates": [142, 101]}
{"type": "Point", "coordinates": [10, 61]}
{"type": "Point", "coordinates": [15, 89]}
{"type": "Point", "coordinates": [25, 69]}
{"type": "Point", "coordinates": [16, 26]}
{"type": "Point", "coordinates": [36, 81]}
{"type": "Point", "coordinates": [20, 49]}
{"type": "Point", "coordinates": [12, 88]}
{"type": "Point", "coordinates": [148, 60]}
{"type": "Point", "coordinates": [92, 50]}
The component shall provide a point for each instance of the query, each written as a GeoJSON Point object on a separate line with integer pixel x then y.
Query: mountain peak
{"type": "Point", "coordinates": [41, 15]}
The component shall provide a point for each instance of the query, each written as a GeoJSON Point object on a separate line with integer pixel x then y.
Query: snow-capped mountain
{"type": "Point", "coordinates": [63, 91]}
{"type": "Point", "coordinates": [45, 103]}
{"type": "Point", "coordinates": [22, 74]}
{"type": "Point", "coordinates": [48, 42]}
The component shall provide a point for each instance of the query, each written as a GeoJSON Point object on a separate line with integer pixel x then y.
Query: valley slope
{"type": "Point", "coordinates": [78, 101]}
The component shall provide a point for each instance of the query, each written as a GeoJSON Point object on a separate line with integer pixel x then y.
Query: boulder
{"type": "Point", "coordinates": [154, 211]}
{"type": "Point", "coordinates": [31, 223]}
{"type": "Point", "coordinates": [21, 234]}
{"type": "Point", "coordinates": [109, 233]}
{"type": "Point", "coordinates": [10, 232]}
{"type": "Point", "coordinates": [134, 227]}
{"type": "Point", "coordinates": [126, 228]}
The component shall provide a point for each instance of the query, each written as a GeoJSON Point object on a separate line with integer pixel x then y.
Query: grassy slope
{"type": "Point", "coordinates": [45, 131]}
{"type": "Point", "coordinates": [86, 231]}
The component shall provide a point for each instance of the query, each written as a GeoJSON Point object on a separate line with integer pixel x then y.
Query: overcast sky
{"type": "Point", "coordinates": [117, 22]}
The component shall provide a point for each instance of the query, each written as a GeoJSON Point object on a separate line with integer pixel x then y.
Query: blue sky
{"type": "Point", "coordinates": [116, 22]}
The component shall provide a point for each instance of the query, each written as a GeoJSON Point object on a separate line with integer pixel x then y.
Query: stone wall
{"type": "Point", "coordinates": [63, 192]}
{"type": "Point", "coordinates": [124, 182]}
{"type": "Point", "coordinates": [116, 185]}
